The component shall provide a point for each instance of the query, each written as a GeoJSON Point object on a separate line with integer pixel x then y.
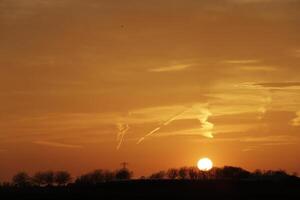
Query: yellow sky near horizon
{"type": "Point", "coordinates": [159, 84]}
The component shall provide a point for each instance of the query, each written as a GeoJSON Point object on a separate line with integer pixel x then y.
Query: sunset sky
{"type": "Point", "coordinates": [87, 84]}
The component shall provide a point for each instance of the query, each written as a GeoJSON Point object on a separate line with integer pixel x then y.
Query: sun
{"type": "Point", "coordinates": [205, 164]}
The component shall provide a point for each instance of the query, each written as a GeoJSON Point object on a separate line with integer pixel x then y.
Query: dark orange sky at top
{"type": "Point", "coordinates": [89, 84]}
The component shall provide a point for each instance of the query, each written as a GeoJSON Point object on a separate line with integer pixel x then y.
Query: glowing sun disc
{"type": "Point", "coordinates": [205, 164]}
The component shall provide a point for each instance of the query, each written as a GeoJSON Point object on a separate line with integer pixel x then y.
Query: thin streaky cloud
{"type": "Point", "coordinates": [278, 84]}
{"type": "Point", "coordinates": [257, 1]}
{"type": "Point", "coordinates": [251, 148]}
{"type": "Point", "coordinates": [148, 135]}
{"type": "Point", "coordinates": [57, 144]}
{"type": "Point", "coordinates": [254, 61]}
{"type": "Point", "coordinates": [123, 129]}
{"type": "Point", "coordinates": [194, 132]}
{"type": "Point", "coordinates": [297, 53]}
{"type": "Point", "coordinates": [167, 122]}
{"type": "Point", "coordinates": [258, 68]}
{"type": "Point", "coordinates": [170, 68]}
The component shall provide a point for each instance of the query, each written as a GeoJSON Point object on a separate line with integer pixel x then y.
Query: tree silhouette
{"type": "Point", "coordinates": [84, 179]}
{"type": "Point", "coordinates": [96, 177]}
{"type": "Point", "coordinates": [123, 174]}
{"type": "Point", "coordinates": [21, 179]}
{"type": "Point", "coordinates": [158, 175]}
{"type": "Point", "coordinates": [44, 178]}
{"type": "Point", "coordinates": [276, 175]}
{"type": "Point", "coordinates": [193, 173]}
{"type": "Point", "coordinates": [172, 173]}
{"type": "Point", "coordinates": [62, 178]}
{"type": "Point", "coordinates": [109, 176]}
{"type": "Point", "coordinates": [229, 172]}
{"type": "Point", "coordinates": [183, 173]}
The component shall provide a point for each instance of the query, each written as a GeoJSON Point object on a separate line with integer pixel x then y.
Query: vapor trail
{"type": "Point", "coordinates": [166, 123]}
{"type": "Point", "coordinates": [123, 128]}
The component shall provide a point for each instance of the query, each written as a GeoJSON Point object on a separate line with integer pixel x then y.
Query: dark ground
{"type": "Point", "coordinates": [163, 189]}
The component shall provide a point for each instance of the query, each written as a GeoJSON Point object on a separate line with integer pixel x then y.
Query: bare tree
{"type": "Point", "coordinates": [109, 176]}
{"type": "Point", "coordinates": [84, 179]}
{"type": "Point", "coordinates": [44, 178]}
{"type": "Point", "coordinates": [21, 179]}
{"type": "Point", "coordinates": [97, 176]}
{"type": "Point", "coordinates": [229, 172]}
{"type": "Point", "coordinates": [123, 174]}
{"type": "Point", "coordinates": [183, 173]}
{"type": "Point", "coordinates": [62, 178]}
{"type": "Point", "coordinates": [193, 173]}
{"type": "Point", "coordinates": [172, 173]}
{"type": "Point", "coordinates": [158, 175]}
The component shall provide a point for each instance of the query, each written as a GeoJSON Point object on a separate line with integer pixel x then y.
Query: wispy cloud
{"type": "Point", "coordinates": [207, 127]}
{"type": "Point", "coordinates": [250, 148]}
{"type": "Point", "coordinates": [278, 84]}
{"type": "Point", "coordinates": [57, 144]}
{"type": "Point", "coordinates": [296, 121]}
{"type": "Point", "coordinates": [250, 65]}
{"type": "Point", "coordinates": [206, 132]}
{"type": "Point", "coordinates": [167, 122]}
{"type": "Point", "coordinates": [27, 8]}
{"type": "Point", "coordinates": [256, 1]}
{"type": "Point", "coordinates": [170, 68]}
{"type": "Point", "coordinates": [297, 53]}
{"type": "Point", "coordinates": [123, 128]}
{"type": "Point", "coordinates": [267, 139]}
{"type": "Point", "coordinates": [201, 114]}
{"type": "Point", "coordinates": [252, 61]}
{"type": "Point", "coordinates": [258, 68]}
{"type": "Point", "coordinates": [258, 141]}
{"type": "Point", "coordinates": [270, 141]}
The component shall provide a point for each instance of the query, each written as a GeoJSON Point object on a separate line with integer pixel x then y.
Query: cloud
{"type": "Point", "coordinates": [297, 53]}
{"type": "Point", "coordinates": [188, 125]}
{"type": "Point", "coordinates": [258, 1]}
{"type": "Point", "coordinates": [57, 144]}
{"type": "Point", "coordinates": [123, 128]}
{"type": "Point", "coordinates": [258, 68]}
{"type": "Point", "coordinates": [268, 139]}
{"type": "Point", "coordinates": [207, 127]}
{"type": "Point", "coordinates": [259, 140]}
{"type": "Point", "coordinates": [193, 132]}
{"type": "Point", "coordinates": [190, 120]}
{"type": "Point", "coordinates": [296, 121]}
{"type": "Point", "coordinates": [241, 61]}
{"type": "Point", "coordinates": [170, 68]}
{"type": "Point", "coordinates": [18, 9]}
{"type": "Point", "coordinates": [165, 123]}
{"type": "Point", "coordinates": [250, 65]}
{"type": "Point", "coordinates": [278, 84]}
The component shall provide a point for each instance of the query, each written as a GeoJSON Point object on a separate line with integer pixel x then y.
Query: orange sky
{"type": "Point", "coordinates": [82, 82]}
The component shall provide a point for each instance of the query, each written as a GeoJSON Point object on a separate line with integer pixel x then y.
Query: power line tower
{"type": "Point", "coordinates": [124, 165]}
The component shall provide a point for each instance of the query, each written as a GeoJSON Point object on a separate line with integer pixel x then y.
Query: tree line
{"type": "Point", "coordinates": [224, 173]}
{"type": "Point", "coordinates": [63, 178]}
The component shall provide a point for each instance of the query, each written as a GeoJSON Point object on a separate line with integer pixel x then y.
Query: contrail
{"type": "Point", "coordinates": [123, 128]}
{"type": "Point", "coordinates": [166, 123]}
{"type": "Point", "coordinates": [149, 134]}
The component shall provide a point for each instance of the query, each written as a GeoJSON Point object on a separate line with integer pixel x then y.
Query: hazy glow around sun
{"type": "Point", "coordinates": [205, 164]}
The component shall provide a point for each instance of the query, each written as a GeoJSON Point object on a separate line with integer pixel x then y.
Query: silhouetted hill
{"type": "Point", "coordinates": [163, 189]}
